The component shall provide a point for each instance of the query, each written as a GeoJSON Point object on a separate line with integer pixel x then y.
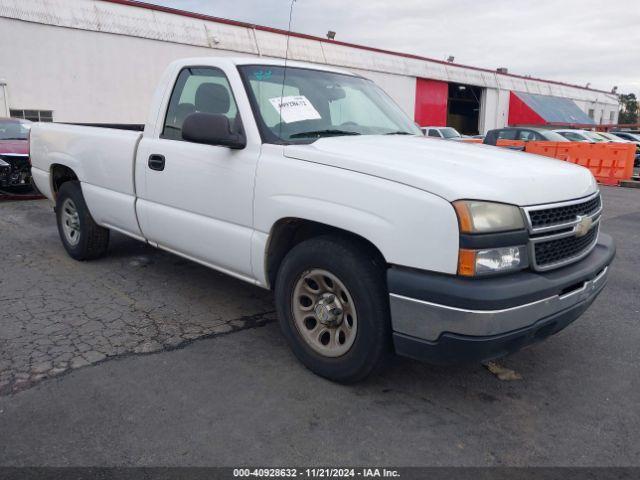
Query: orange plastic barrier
{"type": "Point", "coordinates": [510, 143]}
{"type": "Point", "coordinates": [581, 153]}
{"type": "Point", "coordinates": [548, 149]}
{"type": "Point", "coordinates": [618, 165]}
{"type": "Point", "coordinates": [563, 150]}
{"type": "Point", "coordinates": [610, 163]}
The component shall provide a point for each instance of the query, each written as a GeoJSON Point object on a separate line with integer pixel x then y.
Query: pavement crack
{"type": "Point", "coordinates": [239, 324]}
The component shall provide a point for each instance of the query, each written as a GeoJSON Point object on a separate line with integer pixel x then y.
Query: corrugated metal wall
{"type": "Point", "coordinates": [130, 45]}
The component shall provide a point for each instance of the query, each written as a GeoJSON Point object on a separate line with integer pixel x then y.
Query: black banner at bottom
{"type": "Point", "coordinates": [417, 473]}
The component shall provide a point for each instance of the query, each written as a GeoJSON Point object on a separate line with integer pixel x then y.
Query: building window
{"type": "Point", "coordinates": [33, 115]}
{"type": "Point", "coordinates": [612, 115]}
{"type": "Point", "coordinates": [592, 113]}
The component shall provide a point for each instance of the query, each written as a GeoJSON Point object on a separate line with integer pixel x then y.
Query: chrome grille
{"type": "Point", "coordinates": [559, 215]}
{"type": "Point", "coordinates": [563, 233]}
{"type": "Point", "coordinates": [553, 251]}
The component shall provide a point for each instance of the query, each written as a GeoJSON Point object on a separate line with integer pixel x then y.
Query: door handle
{"type": "Point", "coordinates": [156, 162]}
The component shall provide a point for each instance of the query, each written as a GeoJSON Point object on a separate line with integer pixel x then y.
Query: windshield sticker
{"type": "Point", "coordinates": [262, 75]}
{"type": "Point", "coordinates": [294, 108]}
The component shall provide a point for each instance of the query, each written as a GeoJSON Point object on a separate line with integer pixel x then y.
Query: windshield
{"type": "Point", "coordinates": [13, 130]}
{"type": "Point", "coordinates": [314, 104]}
{"type": "Point", "coordinates": [611, 138]}
{"type": "Point", "coordinates": [552, 136]}
{"type": "Point", "coordinates": [449, 132]}
{"type": "Point", "coordinates": [633, 136]}
{"type": "Point", "coordinates": [594, 136]}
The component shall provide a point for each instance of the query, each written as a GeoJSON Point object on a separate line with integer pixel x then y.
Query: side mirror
{"type": "Point", "coordinates": [211, 129]}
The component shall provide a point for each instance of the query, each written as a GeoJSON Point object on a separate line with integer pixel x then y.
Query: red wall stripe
{"type": "Point", "coordinates": [522, 114]}
{"type": "Point", "coordinates": [431, 102]}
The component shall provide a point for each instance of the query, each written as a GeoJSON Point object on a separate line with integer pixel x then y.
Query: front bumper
{"type": "Point", "coordinates": [15, 170]}
{"type": "Point", "coordinates": [445, 320]}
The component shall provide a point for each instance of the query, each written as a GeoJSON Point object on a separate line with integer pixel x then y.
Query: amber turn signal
{"type": "Point", "coordinates": [467, 262]}
{"type": "Point", "coordinates": [464, 216]}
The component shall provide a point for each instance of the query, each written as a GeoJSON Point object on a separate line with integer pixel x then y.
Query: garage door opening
{"type": "Point", "coordinates": [463, 111]}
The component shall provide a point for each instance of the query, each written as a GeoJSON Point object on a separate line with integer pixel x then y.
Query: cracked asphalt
{"type": "Point", "coordinates": [144, 359]}
{"type": "Point", "coordinates": [57, 314]}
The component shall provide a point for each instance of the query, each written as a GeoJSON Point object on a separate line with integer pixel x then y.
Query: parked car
{"type": "Point", "coordinates": [372, 239]}
{"type": "Point", "coordinates": [613, 138]}
{"type": "Point", "coordinates": [522, 133]}
{"type": "Point", "coordinates": [574, 135]}
{"type": "Point", "coordinates": [631, 137]}
{"type": "Point", "coordinates": [15, 169]}
{"type": "Point", "coordinates": [446, 133]}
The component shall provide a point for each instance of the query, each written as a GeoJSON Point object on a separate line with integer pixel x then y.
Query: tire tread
{"type": "Point", "coordinates": [371, 283]}
{"type": "Point", "coordinates": [94, 239]}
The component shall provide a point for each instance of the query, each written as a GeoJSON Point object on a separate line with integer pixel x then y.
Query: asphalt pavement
{"type": "Point", "coordinates": [190, 369]}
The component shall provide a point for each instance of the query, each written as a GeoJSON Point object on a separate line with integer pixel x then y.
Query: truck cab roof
{"type": "Point", "coordinates": [245, 60]}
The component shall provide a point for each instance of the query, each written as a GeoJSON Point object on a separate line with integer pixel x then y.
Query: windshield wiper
{"type": "Point", "coordinates": [320, 133]}
{"type": "Point", "coordinates": [399, 132]}
{"type": "Point", "coordinates": [13, 138]}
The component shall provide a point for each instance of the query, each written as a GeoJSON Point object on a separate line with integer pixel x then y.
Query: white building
{"type": "Point", "coordinates": [99, 61]}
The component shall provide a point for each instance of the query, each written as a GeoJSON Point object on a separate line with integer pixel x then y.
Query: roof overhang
{"type": "Point", "coordinates": [534, 109]}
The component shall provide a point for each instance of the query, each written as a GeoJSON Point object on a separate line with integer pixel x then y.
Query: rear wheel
{"type": "Point", "coordinates": [333, 308]}
{"type": "Point", "coordinates": [82, 238]}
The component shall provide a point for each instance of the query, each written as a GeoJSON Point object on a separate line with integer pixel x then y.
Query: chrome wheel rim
{"type": "Point", "coordinates": [70, 222]}
{"type": "Point", "coordinates": [324, 313]}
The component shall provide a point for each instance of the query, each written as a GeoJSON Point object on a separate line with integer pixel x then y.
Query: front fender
{"type": "Point", "coordinates": [410, 227]}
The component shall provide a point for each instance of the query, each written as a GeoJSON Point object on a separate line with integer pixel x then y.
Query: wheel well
{"type": "Point", "coordinates": [289, 232]}
{"type": "Point", "coordinates": [59, 175]}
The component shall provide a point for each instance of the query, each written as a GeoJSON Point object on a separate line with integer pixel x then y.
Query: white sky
{"type": "Point", "coordinates": [573, 41]}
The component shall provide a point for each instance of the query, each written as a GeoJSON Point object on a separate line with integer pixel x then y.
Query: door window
{"type": "Point", "coordinates": [528, 135]}
{"type": "Point", "coordinates": [574, 137]}
{"type": "Point", "coordinates": [205, 90]}
{"type": "Point", "coordinates": [434, 133]}
{"type": "Point", "coordinates": [507, 135]}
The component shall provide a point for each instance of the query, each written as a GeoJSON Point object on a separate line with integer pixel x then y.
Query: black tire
{"type": "Point", "coordinates": [93, 239]}
{"type": "Point", "coordinates": [363, 274]}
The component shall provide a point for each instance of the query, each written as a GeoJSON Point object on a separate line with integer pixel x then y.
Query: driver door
{"type": "Point", "coordinates": [196, 200]}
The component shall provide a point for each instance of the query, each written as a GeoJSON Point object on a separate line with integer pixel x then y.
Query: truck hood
{"type": "Point", "coordinates": [14, 147]}
{"type": "Point", "coordinates": [453, 170]}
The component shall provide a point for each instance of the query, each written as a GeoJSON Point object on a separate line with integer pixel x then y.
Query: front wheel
{"type": "Point", "coordinates": [82, 238]}
{"type": "Point", "coordinates": [333, 307]}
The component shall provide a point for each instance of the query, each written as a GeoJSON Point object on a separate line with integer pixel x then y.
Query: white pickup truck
{"type": "Point", "coordinates": [310, 181]}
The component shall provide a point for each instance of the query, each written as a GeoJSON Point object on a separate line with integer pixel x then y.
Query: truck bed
{"type": "Point", "coordinates": [103, 160]}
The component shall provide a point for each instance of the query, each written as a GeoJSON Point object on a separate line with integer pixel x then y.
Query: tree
{"type": "Point", "coordinates": [628, 108]}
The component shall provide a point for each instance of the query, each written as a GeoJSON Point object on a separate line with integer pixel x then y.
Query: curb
{"type": "Point", "coordinates": [630, 183]}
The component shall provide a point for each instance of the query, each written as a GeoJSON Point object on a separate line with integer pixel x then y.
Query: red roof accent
{"type": "Point", "coordinates": [522, 114]}
{"type": "Point", "coordinates": [200, 16]}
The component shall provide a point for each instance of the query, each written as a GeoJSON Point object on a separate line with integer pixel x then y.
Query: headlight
{"type": "Point", "coordinates": [476, 217]}
{"type": "Point", "coordinates": [3, 163]}
{"type": "Point", "coordinates": [491, 261]}
{"type": "Point", "coordinates": [487, 217]}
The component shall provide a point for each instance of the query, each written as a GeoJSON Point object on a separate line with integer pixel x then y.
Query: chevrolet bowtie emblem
{"type": "Point", "coordinates": [583, 226]}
